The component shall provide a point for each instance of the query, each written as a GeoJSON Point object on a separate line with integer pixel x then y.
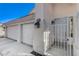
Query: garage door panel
{"type": "Point", "coordinates": [13, 32]}
{"type": "Point", "coordinates": [28, 32]}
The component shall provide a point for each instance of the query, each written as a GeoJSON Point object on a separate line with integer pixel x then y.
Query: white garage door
{"type": "Point", "coordinates": [28, 32]}
{"type": "Point", "coordinates": [13, 32]}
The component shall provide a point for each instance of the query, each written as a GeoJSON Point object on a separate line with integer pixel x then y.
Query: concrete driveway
{"type": "Point", "coordinates": [12, 48]}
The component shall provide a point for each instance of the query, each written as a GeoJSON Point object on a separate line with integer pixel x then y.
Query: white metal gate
{"type": "Point", "coordinates": [63, 37]}
{"type": "Point", "coordinates": [63, 34]}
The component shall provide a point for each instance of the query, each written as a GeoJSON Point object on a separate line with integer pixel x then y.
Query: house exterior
{"type": "Point", "coordinates": [58, 25]}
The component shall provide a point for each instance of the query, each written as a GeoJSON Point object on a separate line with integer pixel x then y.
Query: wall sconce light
{"type": "Point", "coordinates": [37, 23]}
{"type": "Point", "coordinates": [52, 22]}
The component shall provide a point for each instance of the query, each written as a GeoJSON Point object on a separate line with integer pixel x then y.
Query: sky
{"type": "Point", "coordinates": [10, 11]}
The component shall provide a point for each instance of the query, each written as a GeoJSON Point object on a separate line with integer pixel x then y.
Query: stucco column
{"type": "Point", "coordinates": [42, 11]}
{"type": "Point", "coordinates": [76, 32]}
{"type": "Point", "coordinates": [38, 43]}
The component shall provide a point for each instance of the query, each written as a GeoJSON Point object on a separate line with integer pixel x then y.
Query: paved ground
{"type": "Point", "coordinates": [12, 48]}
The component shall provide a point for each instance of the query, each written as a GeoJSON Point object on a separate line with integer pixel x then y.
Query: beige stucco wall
{"type": "Point", "coordinates": [55, 10]}
{"type": "Point", "coordinates": [63, 10]}
{"type": "Point", "coordinates": [48, 11]}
